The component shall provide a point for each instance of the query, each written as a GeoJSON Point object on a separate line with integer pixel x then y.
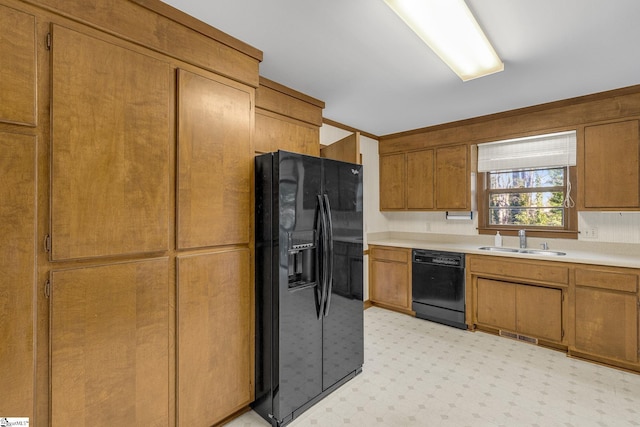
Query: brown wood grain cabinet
{"type": "Point", "coordinates": [393, 182]}
{"type": "Point", "coordinates": [424, 180]}
{"type": "Point", "coordinates": [215, 327]}
{"type": "Point", "coordinates": [390, 277]}
{"type": "Point", "coordinates": [591, 311]}
{"type": "Point", "coordinates": [17, 81]}
{"type": "Point", "coordinates": [420, 176]}
{"type": "Point", "coordinates": [109, 346]}
{"type": "Point", "coordinates": [215, 119]}
{"type": "Point", "coordinates": [606, 314]}
{"type": "Point", "coordinates": [611, 166]}
{"type": "Point", "coordinates": [127, 140]}
{"type": "Point", "coordinates": [346, 150]}
{"type": "Point", "coordinates": [524, 309]}
{"type": "Point", "coordinates": [453, 178]}
{"type": "Point", "coordinates": [286, 120]}
{"type": "Point", "coordinates": [17, 260]}
{"type": "Point", "coordinates": [110, 148]}
{"type": "Point", "coordinates": [520, 297]}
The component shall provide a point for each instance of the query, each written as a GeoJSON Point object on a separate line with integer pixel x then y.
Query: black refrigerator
{"type": "Point", "coordinates": [309, 271]}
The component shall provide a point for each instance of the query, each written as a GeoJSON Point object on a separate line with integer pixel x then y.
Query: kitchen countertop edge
{"type": "Point", "coordinates": [578, 256]}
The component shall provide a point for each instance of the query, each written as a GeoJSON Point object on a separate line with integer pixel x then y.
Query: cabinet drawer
{"type": "Point", "coordinates": [387, 254]}
{"type": "Point", "coordinates": [521, 270]}
{"type": "Point", "coordinates": [615, 281]}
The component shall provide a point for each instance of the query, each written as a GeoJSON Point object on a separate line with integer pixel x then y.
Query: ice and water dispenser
{"type": "Point", "coordinates": [302, 259]}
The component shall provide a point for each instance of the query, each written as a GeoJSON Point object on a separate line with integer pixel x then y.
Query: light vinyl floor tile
{"type": "Point", "coordinates": [420, 373]}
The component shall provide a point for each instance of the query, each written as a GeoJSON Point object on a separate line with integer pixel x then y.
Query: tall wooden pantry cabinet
{"type": "Point", "coordinates": [127, 141]}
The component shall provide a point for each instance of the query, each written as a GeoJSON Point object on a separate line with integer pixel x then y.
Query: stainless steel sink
{"type": "Point", "coordinates": [522, 251]}
{"type": "Point", "coordinates": [541, 252]}
{"type": "Point", "coordinates": [499, 249]}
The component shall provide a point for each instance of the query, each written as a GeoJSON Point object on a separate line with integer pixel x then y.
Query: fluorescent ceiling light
{"type": "Point", "coordinates": [452, 32]}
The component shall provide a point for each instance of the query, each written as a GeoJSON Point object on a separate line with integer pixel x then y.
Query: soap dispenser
{"type": "Point", "coordinates": [498, 240]}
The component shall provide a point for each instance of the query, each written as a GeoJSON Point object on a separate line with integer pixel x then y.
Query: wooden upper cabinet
{"type": "Point", "coordinates": [286, 120]}
{"type": "Point", "coordinates": [17, 262]}
{"type": "Point", "coordinates": [111, 121]}
{"type": "Point", "coordinates": [215, 153]}
{"type": "Point", "coordinates": [611, 166]}
{"type": "Point", "coordinates": [430, 179]}
{"type": "Point", "coordinates": [18, 69]}
{"type": "Point", "coordinates": [275, 132]}
{"type": "Point", "coordinates": [452, 180]}
{"type": "Point", "coordinates": [393, 179]}
{"type": "Point", "coordinates": [420, 174]}
{"type": "Point", "coordinates": [109, 350]}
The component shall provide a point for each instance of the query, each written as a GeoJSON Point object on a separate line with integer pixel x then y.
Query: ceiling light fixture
{"type": "Point", "coordinates": [449, 28]}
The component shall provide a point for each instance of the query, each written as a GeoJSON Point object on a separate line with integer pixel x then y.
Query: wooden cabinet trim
{"type": "Point", "coordinates": [537, 272]}
{"type": "Point", "coordinates": [381, 253]}
{"type": "Point", "coordinates": [615, 281]}
{"type": "Point", "coordinates": [551, 117]}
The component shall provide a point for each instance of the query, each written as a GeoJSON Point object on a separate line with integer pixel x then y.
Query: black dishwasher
{"type": "Point", "coordinates": [438, 287]}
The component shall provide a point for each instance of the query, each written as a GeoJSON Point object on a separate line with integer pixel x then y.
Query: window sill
{"type": "Point", "coordinates": [548, 234]}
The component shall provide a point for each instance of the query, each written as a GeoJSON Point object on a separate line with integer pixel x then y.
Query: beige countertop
{"type": "Point", "coordinates": [611, 254]}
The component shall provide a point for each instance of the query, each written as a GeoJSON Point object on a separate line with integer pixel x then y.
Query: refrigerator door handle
{"type": "Point", "coordinates": [329, 270]}
{"type": "Point", "coordinates": [322, 257]}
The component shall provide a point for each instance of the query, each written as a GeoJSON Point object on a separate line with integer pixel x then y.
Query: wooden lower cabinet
{"type": "Point", "coordinates": [539, 312]}
{"type": "Point", "coordinates": [215, 336]}
{"type": "Point", "coordinates": [109, 346]}
{"type": "Point", "coordinates": [496, 304]}
{"type": "Point", "coordinates": [591, 311]}
{"type": "Point", "coordinates": [606, 314]}
{"type": "Point", "coordinates": [17, 287]}
{"type": "Point", "coordinates": [524, 309]}
{"type": "Point", "coordinates": [390, 277]}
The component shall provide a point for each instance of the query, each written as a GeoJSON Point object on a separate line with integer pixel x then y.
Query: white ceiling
{"type": "Point", "coordinates": [374, 74]}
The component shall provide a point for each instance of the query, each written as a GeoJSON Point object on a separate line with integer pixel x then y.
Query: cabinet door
{"type": "Point", "coordinates": [390, 283]}
{"type": "Point", "coordinates": [214, 161]}
{"type": "Point", "coordinates": [18, 70]}
{"type": "Point", "coordinates": [496, 304]}
{"type": "Point", "coordinates": [17, 263]}
{"type": "Point", "coordinates": [111, 122]}
{"type": "Point", "coordinates": [392, 181]}
{"type": "Point", "coordinates": [539, 312]}
{"type": "Point", "coordinates": [612, 165]}
{"type": "Point", "coordinates": [109, 342]}
{"type": "Point", "coordinates": [276, 132]}
{"type": "Point", "coordinates": [607, 323]}
{"type": "Point", "coordinates": [215, 366]}
{"type": "Point", "coordinates": [452, 178]}
{"type": "Point", "coordinates": [420, 180]}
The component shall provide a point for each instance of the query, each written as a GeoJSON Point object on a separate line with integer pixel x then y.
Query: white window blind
{"type": "Point", "coordinates": [540, 151]}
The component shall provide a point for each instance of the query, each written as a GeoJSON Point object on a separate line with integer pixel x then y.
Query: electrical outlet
{"type": "Point", "coordinates": [591, 233]}
{"type": "Point", "coordinates": [427, 226]}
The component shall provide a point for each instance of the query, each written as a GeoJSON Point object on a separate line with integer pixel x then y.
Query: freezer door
{"type": "Point", "coordinates": [343, 331]}
{"type": "Point", "coordinates": [299, 332]}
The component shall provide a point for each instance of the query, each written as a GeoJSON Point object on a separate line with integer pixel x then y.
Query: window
{"type": "Point", "coordinates": [527, 197]}
{"type": "Point", "coordinates": [525, 183]}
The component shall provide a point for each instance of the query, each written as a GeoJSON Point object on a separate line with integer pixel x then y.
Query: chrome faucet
{"type": "Point", "coordinates": [522, 234]}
